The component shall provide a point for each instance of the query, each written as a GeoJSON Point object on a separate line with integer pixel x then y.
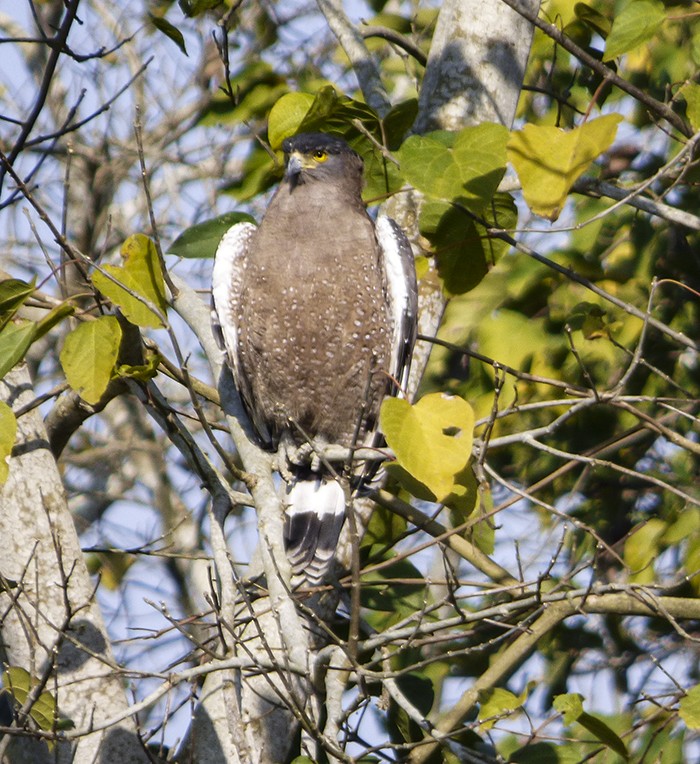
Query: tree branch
{"type": "Point", "coordinates": [361, 60]}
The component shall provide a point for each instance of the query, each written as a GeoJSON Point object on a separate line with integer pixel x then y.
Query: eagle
{"type": "Point", "coordinates": [316, 311]}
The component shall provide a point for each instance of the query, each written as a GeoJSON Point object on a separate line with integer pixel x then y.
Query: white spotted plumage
{"type": "Point", "coordinates": [316, 309]}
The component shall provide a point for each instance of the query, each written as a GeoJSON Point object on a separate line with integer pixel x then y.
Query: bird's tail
{"type": "Point", "coordinates": [314, 515]}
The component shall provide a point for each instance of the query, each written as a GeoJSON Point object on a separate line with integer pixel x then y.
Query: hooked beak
{"type": "Point", "coordinates": [294, 166]}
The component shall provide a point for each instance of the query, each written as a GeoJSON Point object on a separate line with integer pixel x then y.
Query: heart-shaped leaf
{"type": "Point", "coordinates": [549, 160]}
{"type": "Point", "coordinates": [432, 440]}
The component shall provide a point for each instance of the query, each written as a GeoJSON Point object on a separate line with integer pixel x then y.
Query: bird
{"type": "Point", "coordinates": [316, 311]}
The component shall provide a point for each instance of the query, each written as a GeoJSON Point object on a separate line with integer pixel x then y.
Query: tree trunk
{"type": "Point", "coordinates": [51, 624]}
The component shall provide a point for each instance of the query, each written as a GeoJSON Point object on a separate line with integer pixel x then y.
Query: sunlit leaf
{"type": "Point", "coordinates": [496, 702]}
{"type": "Point", "coordinates": [286, 116]}
{"type": "Point", "coordinates": [8, 433]}
{"type": "Point", "coordinates": [19, 683]}
{"type": "Point", "coordinates": [690, 92]}
{"type": "Point", "coordinates": [13, 292]}
{"type": "Point", "coordinates": [15, 340]}
{"type": "Point", "coordinates": [549, 160]}
{"type": "Point", "coordinates": [467, 165]}
{"type": "Point", "coordinates": [136, 284]}
{"type": "Point", "coordinates": [202, 239]}
{"type": "Point", "coordinates": [689, 707]}
{"type": "Point", "coordinates": [570, 705]}
{"type": "Point", "coordinates": [642, 548]}
{"type": "Point", "coordinates": [89, 354]}
{"type": "Point", "coordinates": [52, 318]}
{"type": "Point", "coordinates": [637, 23]}
{"type": "Point", "coordinates": [431, 439]}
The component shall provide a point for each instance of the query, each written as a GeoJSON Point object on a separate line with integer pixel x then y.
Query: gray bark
{"type": "Point", "coordinates": [50, 623]}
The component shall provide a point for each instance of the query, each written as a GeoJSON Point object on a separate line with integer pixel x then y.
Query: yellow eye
{"type": "Point", "coordinates": [320, 155]}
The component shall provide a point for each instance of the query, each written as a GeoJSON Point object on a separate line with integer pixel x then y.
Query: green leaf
{"type": "Point", "coordinates": [15, 340]}
{"type": "Point", "coordinates": [432, 439]}
{"type": "Point", "coordinates": [544, 753]}
{"type": "Point", "coordinates": [257, 86]}
{"type": "Point", "coordinates": [383, 529]}
{"type": "Point", "coordinates": [19, 683]}
{"type": "Point", "coordinates": [501, 212]}
{"type": "Point", "coordinates": [89, 354]}
{"type": "Point", "coordinates": [197, 7]}
{"type": "Point", "coordinates": [571, 706]}
{"type": "Point", "coordinates": [482, 533]}
{"type": "Point", "coordinates": [690, 92]}
{"type": "Point", "coordinates": [418, 689]}
{"type": "Point", "coordinates": [603, 732]}
{"type": "Point", "coordinates": [143, 371]}
{"type": "Point", "coordinates": [398, 122]}
{"type": "Point", "coordinates": [286, 116]}
{"type": "Point", "coordinates": [549, 160]}
{"type": "Point", "coordinates": [689, 708]}
{"type": "Point", "coordinates": [258, 174]}
{"type": "Point", "coordinates": [686, 526]}
{"type": "Point", "coordinates": [337, 114]}
{"type": "Point", "coordinates": [496, 702]}
{"type": "Point", "coordinates": [642, 549]}
{"type": "Point", "coordinates": [111, 567]}
{"type": "Point", "coordinates": [389, 594]}
{"type": "Point", "coordinates": [202, 239]}
{"type": "Point", "coordinates": [8, 433]}
{"type": "Point", "coordinates": [170, 31]}
{"type": "Point", "coordinates": [467, 165]}
{"type": "Point", "coordinates": [593, 19]}
{"type": "Point", "coordinates": [459, 254]}
{"type": "Point", "coordinates": [13, 292]}
{"type": "Point", "coordinates": [53, 317]}
{"type": "Point", "coordinates": [590, 319]}
{"type": "Point", "coordinates": [637, 23]}
{"type": "Point", "coordinates": [140, 281]}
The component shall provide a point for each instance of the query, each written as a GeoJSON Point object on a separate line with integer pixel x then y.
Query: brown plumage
{"type": "Point", "coordinates": [317, 311]}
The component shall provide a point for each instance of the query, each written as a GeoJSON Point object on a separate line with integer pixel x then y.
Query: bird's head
{"type": "Point", "coordinates": [321, 157]}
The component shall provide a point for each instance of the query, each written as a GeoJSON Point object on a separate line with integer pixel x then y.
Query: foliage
{"type": "Point", "coordinates": [537, 535]}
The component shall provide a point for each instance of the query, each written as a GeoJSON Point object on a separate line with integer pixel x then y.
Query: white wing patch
{"type": "Point", "coordinates": [403, 299]}
{"type": "Point", "coordinates": [226, 296]}
{"type": "Point", "coordinates": [226, 285]}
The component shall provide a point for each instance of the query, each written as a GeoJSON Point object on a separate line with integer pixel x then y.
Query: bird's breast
{"type": "Point", "coordinates": [314, 324]}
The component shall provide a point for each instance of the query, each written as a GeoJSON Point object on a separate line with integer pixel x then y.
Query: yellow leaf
{"type": "Point", "coordinates": [432, 439]}
{"type": "Point", "coordinates": [286, 116]}
{"type": "Point", "coordinates": [642, 548]}
{"type": "Point", "coordinates": [689, 709]}
{"type": "Point", "coordinates": [89, 354]}
{"type": "Point", "coordinates": [494, 703]}
{"type": "Point", "coordinates": [8, 432]}
{"type": "Point", "coordinates": [690, 92]}
{"type": "Point", "coordinates": [137, 287]}
{"type": "Point", "coordinates": [549, 160]}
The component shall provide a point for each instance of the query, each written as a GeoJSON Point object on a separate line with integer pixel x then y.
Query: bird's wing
{"type": "Point", "coordinates": [226, 296]}
{"type": "Point", "coordinates": [403, 295]}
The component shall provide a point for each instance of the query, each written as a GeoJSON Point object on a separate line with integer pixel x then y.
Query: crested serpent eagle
{"type": "Point", "coordinates": [316, 310]}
